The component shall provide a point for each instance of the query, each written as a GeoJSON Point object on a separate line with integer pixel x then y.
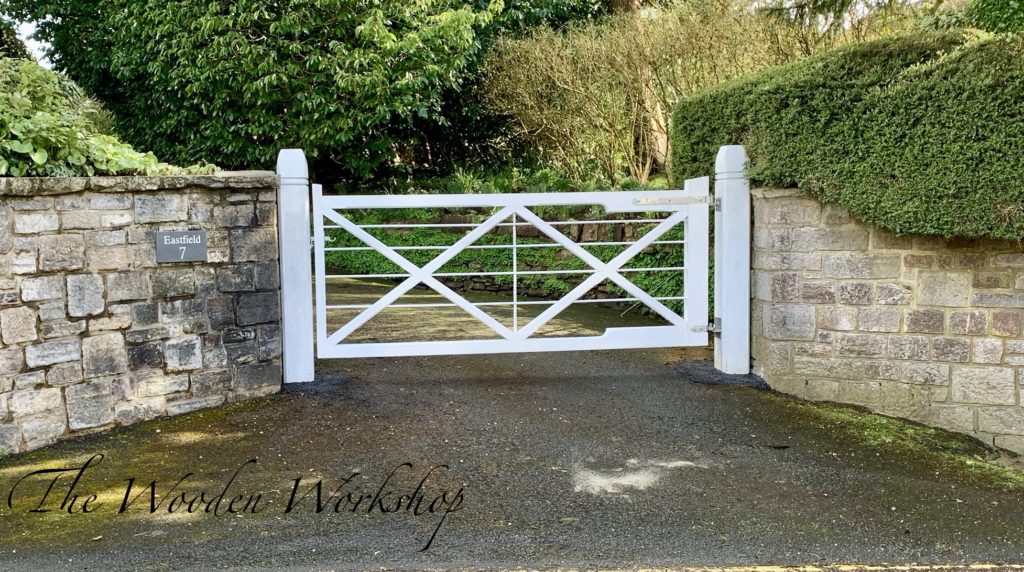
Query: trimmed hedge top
{"type": "Point", "coordinates": [922, 134]}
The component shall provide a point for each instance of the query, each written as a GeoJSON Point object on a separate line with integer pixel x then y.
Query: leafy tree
{"type": "Point", "coordinates": [234, 81]}
{"type": "Point", "coordinates": [10, 45]}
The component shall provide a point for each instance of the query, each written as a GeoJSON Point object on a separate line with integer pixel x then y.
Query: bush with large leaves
{"type": "Point", "coordinates": [235, 81]}
{"type": "Point", "coordinates": [49, 128]}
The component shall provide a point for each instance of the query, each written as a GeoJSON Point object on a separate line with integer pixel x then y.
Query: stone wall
{"type": "Point", "coordinates": [94, 333]}
{"type": "Point", "coordinates": [916, 327]}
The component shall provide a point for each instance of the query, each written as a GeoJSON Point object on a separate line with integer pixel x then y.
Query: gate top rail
{"type": "Point", "coordinates": [695, 192]}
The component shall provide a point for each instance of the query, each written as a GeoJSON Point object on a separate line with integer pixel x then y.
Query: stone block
{"type": "Point", "coordinates": [973, 323]}
{"type": "Point", "coordinates": [53, 352]}
{"type": "Point", "coordinates": [1006, 323]}
{"type": "Point", "coordinates": [61, 328]}
{"type": "Point", "coordinates": [32, 401]}
{"type": "Point", "coordinates": [242, 352]}
{"type": "Point", "coordinates": [31, 204]}
{"type": "Point", "coordinates": [874, 319]}
{"type": "Point", "coordinates": [253, 245]}
{"type": "Point", "coordinates": [183, 354]}
{"type": "Point", "coordinates": [800, 261]}
{"type": "Point", "coordinates": [212, 382]}
{"type": "Point", "coordinates": [236, 278]}
{"type": "Point", "coordinates": [123, 286]}
{"type": "Point", "coordinates": [109, 258]}
{"type": "Point", "coordinates": [952, 417]}
{"type": "Point", "coordinates": [12, 360]}
{"type": "Point", "coordinates": [1001, 420]}
{"type": "Point", "coordinates": [42, 288]}
{"type": "Point", "coordinates": [864, 393]}
{"type": "Point", "coordinates": [145, 314]}
{"type": "Point", "coordinates": [264, 307]}
{"type": "Point", "coordinates": [146, 356]}
{"type": "Point", "coordinates": [992, 280]}
{"type": "Point", "coordinates": [909, 348]}
{"type": "Point", "coordinates": [925, 373]}
{"type": "Point", "coordinates": [818, 293]}
{"type": "Point", "coordinates": [847, 265]}
{"type": "Point", "coordinates": [838, 318]}
{"type": "Point", "coordinates": [104, 355]}
{"type": "Point", "coordinates": [10, 438]}
{"type": "Point", "coordinates": [64, 374]}
{"type": "Point", "coordinates": [144, 335]}
{"type": "Point", "coordinates": [90, 405]}
{"type": "Point", "coordinates": [173, 283]}
{"type": "Point", "coordinates": [43, 430]}
{"type": "Point", "coordinates": [234, 215]}
{"type": "Point", "coordinates": [111, 202]}
{"type": "Point", "coordinates": [102, 238]}
{"type": "Point", "coordinates": [943, 288]}
{"type": "Point", "coordinates": [61, 252]}
{"type": "Point", "coordinates": [987, 385]}
{"type": "Point", "coordinates": [269, 342]}
{"type": "Point", "coordinates": [906, 400]}
{"type": "Point", "coordinates": [855, 293]}
{"type": "Point", "coordinates": [30, 380]}
{"type": "Point", "coordinates": [893, 294]}
{"type": "Point", "coordinates": [924, 321]}
{"type": "Point", "coordinates": [185, 310]}
{"type": "Point", "coordinates": [268, 276]}
{"type": "Point", "coordinates": [884, 240]}
{"type": "Point", "coordinates": [919, 260]}
{"type": "Point", "coordinates": [36, 223]}
{"type": "Point", "coordinates": [951, 349]}
{"type": "Point", "coordinates": [180, 406]}
{"type": "Point", "coordinates": [860, 345]}
{"type": "Point", "coordinates": [257, 377]}
{"type": "Point", "coordinates": [969, 260]}
{"type": "Point", "coordinates": [154, 383]}
{"type": "Point", "coordinates": [1011, 260]}
{"type": "Point", "coordinates": [266, 215]}
{"type": "Point", "coordinates": [788, 322]}
{"type": "Point", "coordinates": [24, 263]}
{"type": "Point", "coordinates": [18, 325]}
{"type": "Point", "coordinates": [85, 295]}
{"type": "Point", "coordinates": [131, 412]}
{"type": "Point", "coordinates": [987, 350]}
{"type": "Point", "coordinates": [998, 299]}
{"type": "Point", "coordinates": [161, 207]}
{"type": "Point", "coordinates": [110, 323]}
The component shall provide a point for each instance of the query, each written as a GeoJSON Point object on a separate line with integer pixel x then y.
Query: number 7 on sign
{"type": "Point", "coordinates": [182, 249]}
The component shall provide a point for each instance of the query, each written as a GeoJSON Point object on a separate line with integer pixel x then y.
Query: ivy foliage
{"type": "Point", "coordinates": [49, 128]}
{"type": "Point", "coordinates": [918, 134]}
{"type": "Point", "coordinates": [235, 81]}
{"type": "Point", "coordinates": [996, 15]}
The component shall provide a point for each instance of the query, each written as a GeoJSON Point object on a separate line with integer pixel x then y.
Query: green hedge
{"type": "Point", "coordinates": [920, 134]}
{"type": "Point", "coordinates": [996, 15]}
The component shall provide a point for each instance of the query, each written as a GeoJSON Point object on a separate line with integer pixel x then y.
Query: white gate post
{"type": "Point", "coordinates": [732, 261]}
{"type": "Point", "coordinates": [296, 266]}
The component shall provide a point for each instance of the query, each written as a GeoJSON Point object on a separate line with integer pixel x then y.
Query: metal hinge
{"type": "Point", "coordinates": [713, 327]}
{"type": "Point", "coordinates": [718, 204]}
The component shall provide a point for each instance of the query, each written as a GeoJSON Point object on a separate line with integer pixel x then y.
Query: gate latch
{"type": "Point", "coordinates": [713, 327]}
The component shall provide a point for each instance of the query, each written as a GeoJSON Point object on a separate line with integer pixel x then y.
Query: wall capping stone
{"type": "Point", "coordinates": [47, 186]}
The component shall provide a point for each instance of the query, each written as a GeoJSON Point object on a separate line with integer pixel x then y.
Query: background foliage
{"type": "Point", "coordinates": [49, 128]}
{"type": "Point", "coordinates": [996, 15]}
{"type": "Point", "coordinates": [597, 96]}
{"type": "Point", "coordinates": [918, 134]}
{"type": "Point", "coordinates": [10, 45]}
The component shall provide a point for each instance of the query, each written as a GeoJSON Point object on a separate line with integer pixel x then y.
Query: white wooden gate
{"type": "Point", "coordinates": [660, 211]}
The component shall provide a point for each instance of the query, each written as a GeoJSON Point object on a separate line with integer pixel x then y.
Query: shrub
{"type": "Point", "coordinates": [49, 128]}
{"type": "Point", "coordinates": [598, 95]}
{"type": "Point", "coordinates": [919, 134]}
{"type": "Point", "coordinates": [996, 15]}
